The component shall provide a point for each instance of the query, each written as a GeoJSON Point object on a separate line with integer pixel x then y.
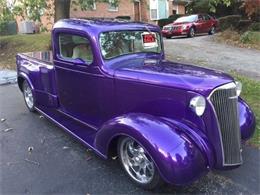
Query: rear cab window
{"type": "Point", "coordinates": [73, 47]}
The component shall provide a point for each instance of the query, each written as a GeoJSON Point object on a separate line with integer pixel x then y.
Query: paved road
{"type": "Point", "coordinates": [202, 50]}
{"type": "Point", "coordinates": [59, 164]}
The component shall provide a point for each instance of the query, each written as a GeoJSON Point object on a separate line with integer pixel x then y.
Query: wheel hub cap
{"type": "Point", "coordinates": [136, 162]}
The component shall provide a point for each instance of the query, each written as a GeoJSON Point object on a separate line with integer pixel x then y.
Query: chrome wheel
{"type": "Point", "coordinates": [136, 161]}
{"type": "Point", "coordinates": [191, 32]}
{"type": "Point", "coordinates": [212, 30]}
{"type": "Point", "coordinates": [28, 96]}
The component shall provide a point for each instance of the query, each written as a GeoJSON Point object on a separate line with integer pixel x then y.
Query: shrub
{"type": "Point", "coordinates": [255, 26]}
{"type": "Point", "coordinates": [250, 37]}
{"type": "Point", "coordinates": [245, 38]}
{"type": "Point", "coordinates": [230, 21]}
{"type": "Point", "coordinates": [243, 25]}
{"type": "Point", "coordinates": [3, 27]}
{"type": "Point", "coordinates": [170, 19]}
{"type": "Point", "coordinates": [123, 17]}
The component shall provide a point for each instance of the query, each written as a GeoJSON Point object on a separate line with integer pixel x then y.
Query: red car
{"type": "Point", "coordinates": [190, 25]}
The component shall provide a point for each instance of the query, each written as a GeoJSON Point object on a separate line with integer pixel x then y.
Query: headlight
{"type": "Point", "coordinates": [184, 27]}
{"type": "Point", "coordinates": [198, 105]}
{"type": "Point", "coordinates": [238, 87]}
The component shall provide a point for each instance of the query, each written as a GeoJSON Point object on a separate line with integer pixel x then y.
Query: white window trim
{"type": "Point", "coordinates": [94, 5]}
{"type": "Point", "coordinates": [113, 9]}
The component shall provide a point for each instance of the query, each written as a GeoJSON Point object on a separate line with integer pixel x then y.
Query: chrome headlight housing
{"type": "Point", "coordinates": [184, 26]}
{"type": "Point", "coordinates": [238, 87]}
{"type": "Point", "coordinates": [198, 105]}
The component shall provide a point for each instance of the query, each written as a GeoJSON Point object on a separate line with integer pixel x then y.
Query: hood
{"type": "Point", "coordinates": [172, 74]}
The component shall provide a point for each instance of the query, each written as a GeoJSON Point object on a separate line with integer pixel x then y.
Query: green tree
{"type": "Point", "coordinates": [208, 6]}
{"type": "Point", "coordinates": [5, 12]}
{"type": "Point", "coordinates": [30, 9]}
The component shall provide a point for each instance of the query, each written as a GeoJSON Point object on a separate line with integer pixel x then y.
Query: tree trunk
{"type": "Point", "coordinates": [62, 9]}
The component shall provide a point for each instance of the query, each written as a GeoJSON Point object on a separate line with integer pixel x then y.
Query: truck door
{"type": "Point", "coordinates": [76, 78]}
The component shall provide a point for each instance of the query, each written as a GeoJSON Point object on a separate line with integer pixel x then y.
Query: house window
{"type": "Point", "coordinates": [112, 6]}
{"type": "Point", "coordinates": [93, 6]}
{"type": "Point", "coordinates": [154, 14]}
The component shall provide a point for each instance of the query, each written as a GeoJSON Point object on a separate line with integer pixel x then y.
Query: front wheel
{"type": "Point", "coordinates": [191, 32]}
{"type": "Point", "coordinates": [28, 96]}
{"type": "Point", "coordinates": [138, 164]}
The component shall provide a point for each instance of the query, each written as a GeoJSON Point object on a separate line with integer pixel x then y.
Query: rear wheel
{"type": "Point", "coordinates": [212, 30]}
{"type": "Point", "coordinates": [138, 164]}
{"type": "Point", "coordinates": [28, 96]}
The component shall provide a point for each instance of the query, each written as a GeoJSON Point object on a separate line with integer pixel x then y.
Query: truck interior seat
{"type": "Point", "coordinates": [83, 51]}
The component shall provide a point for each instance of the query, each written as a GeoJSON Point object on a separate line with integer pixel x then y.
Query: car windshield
{"type": "Point", "coordinates": [191, 18]}
{"type": "Point", "coordinates": [117, 43]}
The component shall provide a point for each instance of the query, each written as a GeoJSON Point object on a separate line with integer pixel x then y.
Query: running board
{"type": "Point", "coordinates": [78, 130]}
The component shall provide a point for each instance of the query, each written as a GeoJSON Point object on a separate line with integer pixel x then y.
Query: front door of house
{"type": "Point", "coordinates": [137, 16]}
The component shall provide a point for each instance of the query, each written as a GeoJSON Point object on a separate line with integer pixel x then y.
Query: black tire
{"type": "Point", "coordinates": [191, 32]}
{"type": "Point", "coordinates": [30, 106]}
{"type": "Point", "coordinates": [212, 30]}
{"type": "Point", "coordinates": [156, 180]}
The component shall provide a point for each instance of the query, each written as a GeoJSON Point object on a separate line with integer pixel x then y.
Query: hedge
{"type": "Point", "coordinates": [170, 19]}
{"type": "Point", "coordinates": [231, 21]}
{"type": "Point", "coordinates": [255, 26]}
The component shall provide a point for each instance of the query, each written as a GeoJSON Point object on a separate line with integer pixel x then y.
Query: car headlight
{"type": "Point", "coordinates": [198, 105]}
{"type": "Point", "coordinates": [238, 87]}
{"type": "Point", "coordinates": [184, 27]}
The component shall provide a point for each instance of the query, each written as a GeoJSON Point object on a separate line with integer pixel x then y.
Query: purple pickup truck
{"type": "Point", "coordinates": [108, 84]}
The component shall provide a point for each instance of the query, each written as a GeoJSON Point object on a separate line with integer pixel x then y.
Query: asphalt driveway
{"type": "Point", "coordinates": [36, 157]}
{"type": "Point", "coordinates": [204, 51]}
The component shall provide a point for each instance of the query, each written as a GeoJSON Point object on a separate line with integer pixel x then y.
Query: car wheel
{"type": "Point", "coordinates": [138, 164]}
{"type": "Point", "coordinates": [28, 96]}
{"type": "Point", "coordinates": [212, 30]}
{"type": "Point", "coordinates": [191, 32]}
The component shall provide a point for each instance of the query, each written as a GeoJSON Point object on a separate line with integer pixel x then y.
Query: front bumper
{"type": "Point", "coordinates": [178, 32]}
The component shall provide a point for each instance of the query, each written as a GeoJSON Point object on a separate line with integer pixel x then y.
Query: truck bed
{"type": "Point", "coordinates": [42, 56]}
{"type": "Point", "coordinates": [37, 68]}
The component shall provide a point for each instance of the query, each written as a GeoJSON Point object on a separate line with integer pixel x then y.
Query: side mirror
{"type": "Point", "coordinates": [199, 20]}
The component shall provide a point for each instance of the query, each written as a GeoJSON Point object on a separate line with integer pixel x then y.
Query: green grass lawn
{"type": "Point", "coordinates": [251, 94]}
{"type": "Point", "coordinates": [13, 44]}
{"type": "Point", "coordinates": [249, 39]}
{"type": "Point", "coordinates": [10, 45]}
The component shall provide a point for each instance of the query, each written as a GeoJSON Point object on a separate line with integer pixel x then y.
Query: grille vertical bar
{"type": "Point", "coordinates": [225, 104]}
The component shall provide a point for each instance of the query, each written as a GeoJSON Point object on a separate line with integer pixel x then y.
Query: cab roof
{"type": "Point", "coordinates": [97, 26]}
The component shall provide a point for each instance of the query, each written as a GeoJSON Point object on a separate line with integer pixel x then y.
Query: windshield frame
{"type": "Point", "coordinates": [134, 30]}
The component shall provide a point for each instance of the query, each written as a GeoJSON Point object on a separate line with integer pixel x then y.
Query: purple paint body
{"type": "Point", "coordinates": [139, 95]}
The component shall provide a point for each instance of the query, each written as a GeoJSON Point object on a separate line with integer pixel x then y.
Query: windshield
{"type": "Point", "coordinates": [191, 18]}
{"type": "Point", "coordinates": [117, 43]}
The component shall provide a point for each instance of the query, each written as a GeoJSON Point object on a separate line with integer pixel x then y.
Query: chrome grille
{"type": "Point", "coordinates": [225, 103]}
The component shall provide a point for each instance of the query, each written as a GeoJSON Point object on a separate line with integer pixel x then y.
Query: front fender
{"type": "Point", "coordinates": [178, 159]}
{"type": "Point", "coordinates": [247, 120]}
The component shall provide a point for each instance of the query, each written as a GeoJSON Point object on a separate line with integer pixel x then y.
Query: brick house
{"type": "Point", "coordinates": [138, 10]}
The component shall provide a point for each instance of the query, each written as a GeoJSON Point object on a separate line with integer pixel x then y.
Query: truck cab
{"type": "Point", "coordinates": [108, 84]}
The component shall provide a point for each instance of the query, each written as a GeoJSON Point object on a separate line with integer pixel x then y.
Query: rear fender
{"type": "Point", "coordinates": [21, 77]}
{"type": "Point", "coordinates": [177, 158]}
